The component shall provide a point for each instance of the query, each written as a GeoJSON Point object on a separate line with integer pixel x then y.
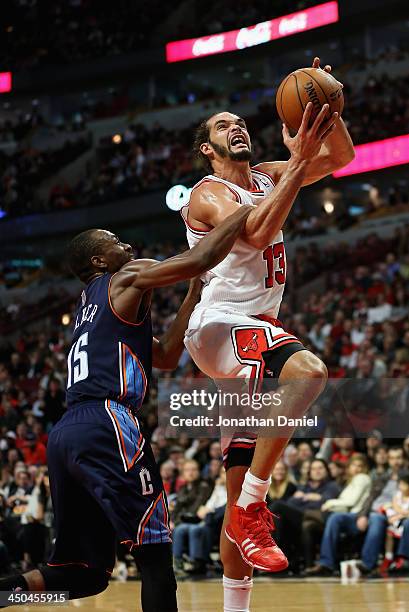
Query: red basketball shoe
{"type": "Point", "coordinates": [250, 530]}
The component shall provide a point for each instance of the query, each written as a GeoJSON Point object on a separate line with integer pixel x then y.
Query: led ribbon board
{"type": "Point", "coordinates": [377, 155]}
{"type": "Point", "coordinates": [264, 32]}
{"type": "Point", "coordinates": [5, 82]}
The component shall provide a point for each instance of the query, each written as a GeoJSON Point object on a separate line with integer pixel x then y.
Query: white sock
{"type": "Point", "coordinates": [237, 594]}
{"type": "Point", "coordinates": [389, 556]}
{"type": "Point", "coordinates": [253, 490]}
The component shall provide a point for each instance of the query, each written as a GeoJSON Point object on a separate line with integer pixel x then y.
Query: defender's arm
{"type": "Point", "coordinates": [168, 348]}
{"type": "Point", "coordinates": [130, 284]}
{"type": "Point", "coordinates": [210, 251]}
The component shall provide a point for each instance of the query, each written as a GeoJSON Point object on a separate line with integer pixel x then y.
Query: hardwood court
{"type": "Point", "coordinates": [278, 595]}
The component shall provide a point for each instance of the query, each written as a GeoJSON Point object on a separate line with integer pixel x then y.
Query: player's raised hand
{"type": "Point", "coordinates": [316, 64]}
{"type": "Point", "coordinates": [310, 136]}
{"type": "Point", "coordinates": [327, 68]}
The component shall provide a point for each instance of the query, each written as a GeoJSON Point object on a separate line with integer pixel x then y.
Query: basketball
{"type": "Point", "coordinates": [307, 85]}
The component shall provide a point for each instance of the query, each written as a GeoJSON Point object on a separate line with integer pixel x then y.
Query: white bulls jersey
{"type": "Point", "coordinates": [248, 281]}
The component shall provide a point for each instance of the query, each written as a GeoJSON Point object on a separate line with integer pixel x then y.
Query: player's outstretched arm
{"type": "Point", "coordinates": [134, 279]}
{"type": "Point", "coordinates": [168, 348]}
{"type": "Point", "coordinates": [210, 251]}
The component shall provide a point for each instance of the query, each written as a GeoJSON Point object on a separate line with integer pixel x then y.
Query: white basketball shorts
{"type": "Point", "coordinates": [229, 345]}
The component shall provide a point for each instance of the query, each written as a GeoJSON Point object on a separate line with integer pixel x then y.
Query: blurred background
{"type": "Point", "coordinates": [97, 112]}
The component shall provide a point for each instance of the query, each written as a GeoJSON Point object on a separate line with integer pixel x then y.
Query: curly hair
{"type": "Point", "coordinates": [202, 134]}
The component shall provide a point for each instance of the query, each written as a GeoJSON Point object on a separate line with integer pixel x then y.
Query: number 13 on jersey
{"type": "Point", "coordinates": [271, 253]}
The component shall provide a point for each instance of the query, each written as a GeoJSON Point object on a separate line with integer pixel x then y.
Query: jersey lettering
{"type": "Point", "coordinates": [146, 481]}
{"type": "Point", "coordinates": [269, 255]}
{"type": "Point", "coordinates": [78, 361]}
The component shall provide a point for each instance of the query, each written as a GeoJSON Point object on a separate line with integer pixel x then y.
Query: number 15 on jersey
{"type": "Point", "coordinates": [77, 361]}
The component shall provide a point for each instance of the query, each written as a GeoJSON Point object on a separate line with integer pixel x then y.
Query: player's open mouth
{"type": "Point", "coordinates": [238, 140]}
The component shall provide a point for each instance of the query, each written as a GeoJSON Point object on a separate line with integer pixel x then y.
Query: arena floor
{"type": "Point", "coordinates": [315, 595]}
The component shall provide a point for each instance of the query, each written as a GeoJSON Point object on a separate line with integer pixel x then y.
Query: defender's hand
{"type": "Point", "coordinates": [195, 288]}
{"type": "Point", "coordinates": [308, 140]}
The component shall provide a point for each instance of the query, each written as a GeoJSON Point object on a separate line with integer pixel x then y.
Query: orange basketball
{"type": "Point", "coordinates": [307, 85]}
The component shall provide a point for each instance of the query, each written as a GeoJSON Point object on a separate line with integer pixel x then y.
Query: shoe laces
{"type": "Point", "coordinates": [261, 526]}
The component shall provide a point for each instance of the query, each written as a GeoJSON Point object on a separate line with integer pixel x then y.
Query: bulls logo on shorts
{"type": "Point", "coordinates": [249, 344]}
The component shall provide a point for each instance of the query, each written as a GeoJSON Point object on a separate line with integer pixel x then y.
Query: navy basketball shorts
{"type": "Point", "coordinates": [105, 485]}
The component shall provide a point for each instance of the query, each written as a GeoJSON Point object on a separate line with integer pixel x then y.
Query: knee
{"type": "Point", "coordinates": [377, 519]}
{"type": "Point", "coordinates": [311, 372]}
{"type": "Point", "coordinates": [196, 530]}
{"type": "Point", "coordinates": [180, 530]}
{"type": "Point", "coordinates": [99, 580]}
{"type": "Point", "coordinates": [314, 370]}
{"type": "Point", "coordinates": [334, 519]}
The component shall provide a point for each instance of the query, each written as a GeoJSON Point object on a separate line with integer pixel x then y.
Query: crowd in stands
{"type": "Point", "coordinates": [159, 157]}
{"type": "Point", "coordinates": [150, 159]}
{"type": "Point", "coordinates": [40, 33]}
{"type": "Point", "coordinates": [143, 160]}
{"type": "Point", "coordinates": [323, 491]}
{"type": "Point", "coordinates": [220, 16]}
{"type": "Point", "coordinates": [23, 171]}
{"type": "Point", "coordinates": [58, 32]}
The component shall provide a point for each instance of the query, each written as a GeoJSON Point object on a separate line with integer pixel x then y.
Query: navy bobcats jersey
{"type": "Point", "coordinates": [109, 358]}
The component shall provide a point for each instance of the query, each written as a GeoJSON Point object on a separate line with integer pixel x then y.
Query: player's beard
{"type": "Point", "coordinates": [224, 152]}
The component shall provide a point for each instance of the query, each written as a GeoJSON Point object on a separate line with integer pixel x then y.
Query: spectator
{"type": "Point", "coordinates": [206, 533]}
{"type": "Point", "coordinates": [373, 442]}
{"type": "Point", "coordinates": [291, 461]}
{"type": "Point", "coordinates": [54, 402]}
{"type": "Point", "coordinates": [211, 470]}
{"type": "Point", "coordinates": [292, 512]}
{"type": "Point", "coordinates": [6, 538]}
{"type": "Point", "coordinates": [17, 493]}
{"type": "Point", "coordinates": [303, 472]}
{"type": "Point", "coordinates": [373, 521]}
{"type": "Point", "coordinates": [282, 487]}
{"type": "Point", "coordinates": [381, 462]}
{"type": "Point", "coordinates": [215, 455]}
{"type": "Point", "coordinates": [343, 451]}
{"type": "Point", "coordinates": [194, 494]}
{"type": "Point", "coordinates": [34, 451]}
{"type": "Point", "coordinates": [304, 451]}
{"type": "Point", "coordinates": [343, 509]}
{"type": "Point", "coordinates": [171, 482]}
{"type": "Point", "coordinates": [337, 471]}
{"type": "Point", "coordinates": [37, 522]}
{"type": "Point", "coordinates": [397, 513]}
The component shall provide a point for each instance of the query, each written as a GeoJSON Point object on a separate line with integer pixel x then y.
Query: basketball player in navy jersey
{"type": "Point", "coordinates": [105, 484]}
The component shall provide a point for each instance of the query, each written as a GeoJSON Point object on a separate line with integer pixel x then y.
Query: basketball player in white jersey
{"type": "Point", "coordinates": [234, 332]}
